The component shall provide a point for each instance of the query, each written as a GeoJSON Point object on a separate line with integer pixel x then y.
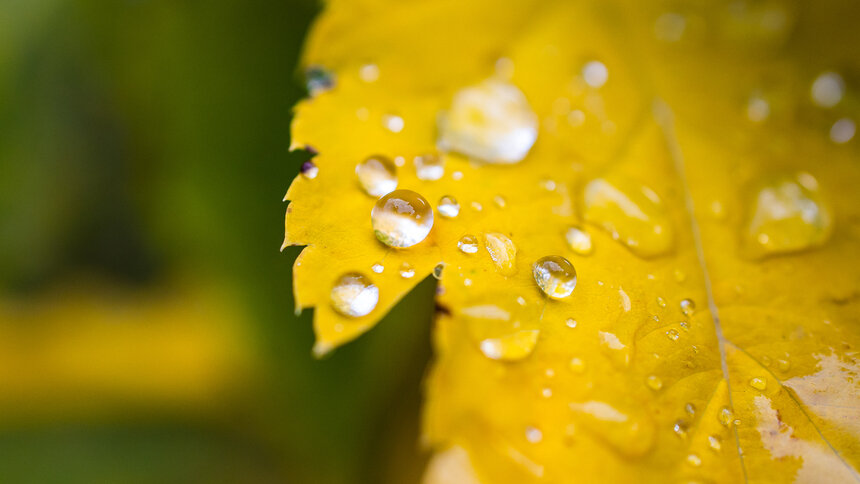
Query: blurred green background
{"type": "Point", "coordinates": [147, 331]}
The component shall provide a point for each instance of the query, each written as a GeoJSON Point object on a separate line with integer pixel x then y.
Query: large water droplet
{"type": "Point", "coordinates": [629, 433]}
{"type": "Point", "coordinates": [354, 295]}
{"type": "Point", "coordinates": [578, 240]}
{"type": "Point", "coordinates": [401, 219]}
{"type": "Point", "coordinates": [468, 244]}
{"type": "Point", "coordinates": [503, 252]}
{"type": "Point", "coordinates": [377, 175]}
{"type": "Point", "coordinates": [429, 167]}
{"type": "Point", "coordinates": [631, 213]}
{"type": "Point", "coordinates": [555, 276]}
{"type": "Point", "coordinates": [788, 215]}
{"type": "Point", "coordinates": [827, 89]}
{"type": "Point", "coordinates": [491, 121]}
{"type": "Point", "coordinates": [504, 330]}
{"type": "Point", "coordinates": [448, 207]}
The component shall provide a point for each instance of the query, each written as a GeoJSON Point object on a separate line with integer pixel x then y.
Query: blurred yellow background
{"type": "Point", "coordinates": [147, 331]}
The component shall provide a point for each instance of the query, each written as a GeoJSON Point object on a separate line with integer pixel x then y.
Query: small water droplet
{"type": "Point", "coordinates": [362, 114]}
{"type": "Point", "coordinates": [546, 392]}
{"type": "Point", "coordinates": [715, 443]}
{"type": "Point", "coordinates": [548, 185]}
{"type": "Point", "coordinates": [549, 372]}
{"type": "Point", "coordinates": [521, 301]}
{"type": "Point", "coordinates": [788, 215]}
{"type": "Point", "coordinates": [309, 170]}
{"type": "Point", "coordinates": [468, 244]}
{"type": "Point", "coordinates": [318, 79]}
{"type": "Point", "coordinates": [377, 268]}
{"type": "Point", "coordinates": [758, 383]}
{"type": "Point", "coordinates": [661, 302]}
{"type": "Point", "coordinates": [457, 175]}
{"type": "Point", "coordinates": [377, 175]}
{"type": "Point", "coordinates": [555, 276]}
{"type": "Point", "coordinates": [783, 364]}
{"type": "Point", "coordinates": [437, 270]}
{"type": "Point", "coordinates": [654, 382]}
{"type": "Point", "coordinates": [401, 219]}
{"type": "Point", "coordinates": [690, 409]}
{"type": "Point", "coordinates": [827, 89]}
{"type": "Point", "coordinates": [680, 428]}
{"type": "Point", "coordinates": [571, 323]}
{"type": "Point", "coordinates": [578, 240]}
{"type": "Point", "coordinates": [684, 325]}
{"type": "Point", "coordinates": [393, 123]}
{"type": "Point", "coordinates": [533, 434]}
{"type": "Point", "coordinates": [726, 417]}
{"type": "Point", "coordinates": [500, 201]}
{"type": "Point", "coordinates": [354, 295]}
{"type": "Point", "coordinates": [467, 282]}
{"type": "Point", "coordinates": [491, 121]}
{"type": "Point", "coordinates": [406, 270]}
{"type": "Point", "coordinates": [669, 27]}
{"type": "Point", "coordinates": [673, 335]}
{"type": "Point", "coordinates": [595, 74]}
{"type": "Point", "coordinates": [758, 109]}
{"type": "Point", "coordinates": [429, 167]}
{"type": "Point", "coordinates": [843, 131]}
{"type": "Point", "coordinates": [448, 207]}
{"type": "Point", "coordinates": [766, 361]}
{"type": "Point", "coordinates": [576, 118]}
{"type": "Point", "coordinates": [694, 460]}
{"type": "Point", "coordinates": [503, 252]}
{"type": "Point", "coordinates": [688, 307]}
{"type": "Point", "coordinates": [577, 365]}
{"type": "Point", "coordinates": [369, 73]}
{"type": "Point", "coordinates": [630, 213]}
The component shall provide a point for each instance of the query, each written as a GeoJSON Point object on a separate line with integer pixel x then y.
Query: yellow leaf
{"type": "Point", "coordinates": [705, 198]}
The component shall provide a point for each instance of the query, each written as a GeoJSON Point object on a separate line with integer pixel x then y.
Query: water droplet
{"type": "Point", "coordinates": [827, 89]}
{"type": "Point", "coordinates": [429, 167]}
{"type": "Point", "coordinates": [726, 417]}
{"type": "Point", "coordinates": [595, 74]}
{"type": "Point", "coordinates": [783, 365]}
{"type": "Point", "coordinates": [548, 184]}
{"type": "Point", "coordinates": [309, 170]}
{"type": "Point", "coordinates": [843, 131]}
{"type": "Point", "coordinates": [758, 383]}
{"type": "Point", "coordinates": [576, 118]}
{"type": "Point", "coordinates": [578, 240]}
{"type": "Point", "coordinates": [533, 434]}
{"type": "Point", "coordinates": [680, 428]}
{"type": "Point", "coordinates": [631, 213]}
{"type": "Point", "coordinates": [688, 307]}
{"type": "Point", "coordinates": [766, 361]}
{"type": "Point", "coordinates": [715, 443]}
{"type": "Point", "coordinates": [503, 252]}
{"type": "Point", "coordinates": [684, 325]}
{"type": "Point", "coordinates": [393, 123]}
{"type": "Point", "coordinates": [500, 201]}
{"type": "Point", "coordinates": [406, 270]}
{"type": "Point", "coordinates": [467, 282]}
{"type": "Point", "coordinates": [690, 409]}
{"type": "Point", "coordinates": [369, 73]}
{"type": "Point", "coordinates": [318, 79]}
{"type": "Point", "coordinates": [468, 244]}
{"type": "Point", "coordinates": [549, 372]}
{"type": "Point", "coordinates": [694, 460]}
{"type": "Point", "coordinates": [555, 276]}
{"type": "Point", "coordinates": [661, 302]}
{"type": "Point", "coordinates": [448, 207]}
{"type": "Point", "coordinates": [571, 323]}
{"type": "Point", "coordinates": [546, 392]}
{"type": "Point", "coordinates": [354, 295]}
{"type": "Point", "coordinates": [377, 268]}
{"type": "Point", "coordinates": [788, 215]}
{"type": "Point", "coordinates": [401, 219]}
{"type": "Point", "coordinates": [576, 365]}
{"type": "Point", "coordinates": [377, 175]}
{"type": "Point", "coordinates": [521, 301]}
{"type": "Point", "coordinates": [491, 121]}
{"type": "Point", "coordinates": [437, 270]}
{"type": "Point", "coordinates": [670, 26]}
{"type": "Point", "coordinates": [476, 206]}
{"type": "Point", "coordinates": [457, 175]}
{"type": "Point", "coordinates": [654, 382]}
{"type": "Point", "coordinates": [673, 335]}
{"type": "Point", "coordinates": [503, 329]}
{"type": "Point", "coordinates": [758, 109]}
